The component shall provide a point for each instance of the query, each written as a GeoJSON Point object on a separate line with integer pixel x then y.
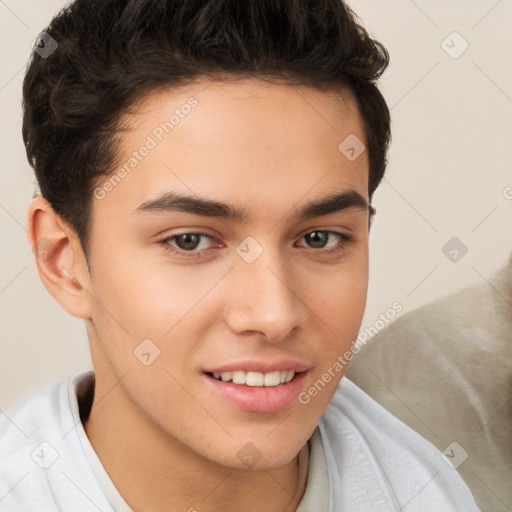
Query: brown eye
{"type": "Point", "coordinates": [188, 241]}
{"type": "Point", "coordinates": [187, 245]}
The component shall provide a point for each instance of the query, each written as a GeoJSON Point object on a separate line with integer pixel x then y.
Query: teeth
{"type": "Point", "coordinates": [272, 379]}
{"type": "Point", "coordinates": [238, 377]}
{"type": "Point", "coordinates": [225, 376]}
{"type": "Point", "coordinates": [256, 378]}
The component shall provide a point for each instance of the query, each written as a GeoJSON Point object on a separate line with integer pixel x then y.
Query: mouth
{"type": "Point", "coordinates": [253, 379]}
{"type": "Point", "coordinates": [257, 391]}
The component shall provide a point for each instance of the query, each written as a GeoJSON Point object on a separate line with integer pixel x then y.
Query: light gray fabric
{"type": "Point", "coordinates": [373, 461]}
{"type": "Point", "coordinates": [378, 464]}
{"type": "Point", "coordinates": [446, 371]}
{"type": "Point", "coordinates": [316, 496]}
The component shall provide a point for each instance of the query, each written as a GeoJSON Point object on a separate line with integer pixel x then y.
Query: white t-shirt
{"type": "Point", "coordinates": [362, 459]}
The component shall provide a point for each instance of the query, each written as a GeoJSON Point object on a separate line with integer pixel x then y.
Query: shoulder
{"type": "Point", "coordinates": [30, 419]}
{"type": "Point", "coordinates": [40, 454]}
{"type": "Point", "coordinates": [363, 442]}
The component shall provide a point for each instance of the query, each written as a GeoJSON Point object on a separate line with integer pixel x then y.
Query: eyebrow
{"type": "Point", "coordinates": [172, 201]}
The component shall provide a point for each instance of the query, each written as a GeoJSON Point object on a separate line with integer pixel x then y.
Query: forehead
{"type": "Point", "coordinates": [247, 140]}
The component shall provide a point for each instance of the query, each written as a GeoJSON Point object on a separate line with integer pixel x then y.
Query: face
{"type": "Point", "coordinates": [223, 325]}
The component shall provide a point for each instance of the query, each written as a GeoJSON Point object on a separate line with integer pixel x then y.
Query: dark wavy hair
{"type": "Point", "coordinates": [113, 52]}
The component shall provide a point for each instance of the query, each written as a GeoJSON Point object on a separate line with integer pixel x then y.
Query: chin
{"type": "Point", "coordinates": [258, 453]}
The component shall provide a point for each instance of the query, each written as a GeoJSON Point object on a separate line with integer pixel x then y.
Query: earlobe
{"type": "Point", "coordinates": [58, 257]}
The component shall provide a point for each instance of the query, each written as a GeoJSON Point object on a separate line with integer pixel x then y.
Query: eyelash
{"type": "Point", "coordinates": [344, 237]}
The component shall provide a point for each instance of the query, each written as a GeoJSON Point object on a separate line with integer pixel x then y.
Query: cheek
{"type": "Point", "coordinates": [339, 310]}
{"type": "Point", "coordinates": [128, 307]}
{"type": "Point", "coordinates": [135, 302]}
{"type": "Point", "coordinates": [341, 301]}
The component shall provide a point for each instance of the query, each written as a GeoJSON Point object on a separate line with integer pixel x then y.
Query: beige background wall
{"type": "Point", "coordinates": [449, 174]}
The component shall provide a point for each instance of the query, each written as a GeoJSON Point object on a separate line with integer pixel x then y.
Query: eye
{"type": "Point", "coordinates": [318, 240]}
{"type": "Point", "coordinates": [188, 244]}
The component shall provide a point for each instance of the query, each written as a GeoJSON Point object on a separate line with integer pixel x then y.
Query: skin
{"type": "Point", "coordinates": [165, 438]}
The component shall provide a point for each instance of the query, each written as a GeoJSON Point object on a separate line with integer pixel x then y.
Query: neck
{"type": "Point", "coordinates": [155, 472]}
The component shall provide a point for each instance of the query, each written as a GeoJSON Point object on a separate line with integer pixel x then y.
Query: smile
{"type": "Point", "coordinates": [249, 378]}
{"type": "Point", "coordinates": [257, 391]}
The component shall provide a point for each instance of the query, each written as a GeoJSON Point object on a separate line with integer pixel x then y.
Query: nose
{"type": "Point", "coordinates": [262, 299]}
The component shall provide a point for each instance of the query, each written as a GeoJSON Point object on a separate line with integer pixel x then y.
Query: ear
{"type": "Point", "coordinates": [59, 258]}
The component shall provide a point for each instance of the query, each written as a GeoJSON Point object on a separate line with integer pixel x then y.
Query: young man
{"type": "Point", "coordinates": [206, 170]}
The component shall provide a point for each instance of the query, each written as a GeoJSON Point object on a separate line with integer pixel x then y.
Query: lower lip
{"type": "Point", "coordinates": [259, 398]}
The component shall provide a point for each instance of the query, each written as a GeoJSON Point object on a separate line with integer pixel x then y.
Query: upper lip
{"type": "Point", "coordinates": [253, 365]}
